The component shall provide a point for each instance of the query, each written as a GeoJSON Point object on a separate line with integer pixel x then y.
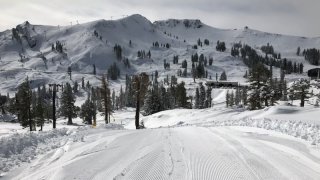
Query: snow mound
{"type": "Point", "coordinates": [305, 131]}
{"type": "Point", "coordinates": [23, 147]}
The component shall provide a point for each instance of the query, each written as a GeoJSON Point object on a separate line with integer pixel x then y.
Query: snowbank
{"type": "Point", "coordinates": [24, 147]}
{"type": "Point", "coordinates": [309, 132]}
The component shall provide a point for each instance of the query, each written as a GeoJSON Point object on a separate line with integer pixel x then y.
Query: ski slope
{"type": "Point", "coordinates": [82, 49]}
{"type": "Point", "coordinates": [178, 153]}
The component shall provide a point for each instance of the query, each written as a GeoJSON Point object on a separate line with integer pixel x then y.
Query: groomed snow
{"type": "Point", "coordinates": [215, 143]}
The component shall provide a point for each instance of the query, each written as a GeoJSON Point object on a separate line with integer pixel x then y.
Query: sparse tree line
{"type": "Point", "coordinates": [311, 55]}
{"type": "Point", "coordinates": [165, 95]}
{"type": "Point", "coordinates": [202, 98]}
{"type": "Point", "coordinates": [221, 46]}
{"type": "Point", "coordinates": [142, 54]}
{"type": "Point", "coordinates": [34, 107]}
{"type": "Point", "coordinates": [250, 57]}
{"type": "Point", "coordinates": [157, 45]}
{"type": "Point", "coordinates": [264, 90]}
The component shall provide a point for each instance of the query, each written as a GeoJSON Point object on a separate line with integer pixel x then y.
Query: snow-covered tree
{"type": "Point", "coordinates": [300, 90]}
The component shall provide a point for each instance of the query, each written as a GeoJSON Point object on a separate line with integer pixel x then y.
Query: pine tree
{"type": "Point", "coordinates": [113, 99]}
{"type": "Point", "coordinates": [94, 100]}
{"type": "Point", "coordinates": [82, 82]}
{"type": "Point", "coordinates": [94, 69]}
{"type": "Point", "coordinates": [69, 72]}
{"type": "Point", "coordinates": [87, 111]}
{"type": "Point", "coordinates": [228, 99]}
{"type": "Point", "coordinates": [75, 87]}
{"type": "Point", "coordinates": [231, 100]}
{"type": "Point", "coordinates": [237, 98]}
{"type": "Point", "coordinates": [24, 97]}
{"type": "Point", "coordinates": [223, 76]}
{"type": "Point", "coordinates": [298, 51]}
{"type": "Point", "coordinates": [181, 95]}
{"type": "Point", "coordinates": [300, 90]}
{"type": "Point", "coordinates": [209, 98]}
{"type": "Point", "coordinates": [39, 114]}
{"type": "Point", "coordinates": [140, 84]}
{"type": "Point", "coordinates": [151, 102]}
{"type": "Point", "coordinates": [197, 99]}
{"type": "Point", "coordinates": [68, 109]}
{"type": "Point", "coordinates": [202, 96]}
{"type": "Point", "coordinates": [106, 99]}
{"type": "Point", "coordinates": [244, 96]}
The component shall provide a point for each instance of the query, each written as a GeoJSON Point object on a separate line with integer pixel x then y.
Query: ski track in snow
{"type": "Point", "coordinates": [177, 153]}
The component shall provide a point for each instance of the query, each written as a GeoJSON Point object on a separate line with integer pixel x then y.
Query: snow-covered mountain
{"type": "Point", "coordinates": [31, 53]}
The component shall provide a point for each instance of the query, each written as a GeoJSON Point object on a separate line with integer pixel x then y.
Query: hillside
{"type": "Point", "coordinates": [33, 56]}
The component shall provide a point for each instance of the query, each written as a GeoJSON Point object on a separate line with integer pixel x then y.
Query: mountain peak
{"type": "Point", "coordinates": [138, 18]}
{"type": "Point", "coordinates": [187, 23]}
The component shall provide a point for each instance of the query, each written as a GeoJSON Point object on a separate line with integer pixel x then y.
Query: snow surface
{"type": "Point", "coordinates": [214, 143]}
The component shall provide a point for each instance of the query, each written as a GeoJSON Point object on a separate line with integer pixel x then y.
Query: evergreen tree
{"type": "Point", "coordinates": [151, 102]}
{"type": "Point", "coordinates": [113, 99]}
{"type": "Point", "coordinates": [237, 98]}
{"type": "Point", "coordinates": [94, 100]}
{"type": "Point", "coordinates": [140, 85]}
{"type": "Point", "coordinates": [106, 99]}
{"type": "Point", "coordinates": [40, 109]}
{"type": "Point", "coordinates": [68, 109]}
{"type": "Point", "coordinates": [197, 99]}
{"type": "Point", "coordinates": [24, 97]}
{"type": "Point", "coordinates": [69, 72]}
{"type": "Point", "coordinates": [87, 111]}
{"type": "Point", "coordinates": [244, 96]}
{"type": "Point", "coordinates": [209, 98]}
{"type": "Point", "coordinates": [228, 99]}
{"type": "Point", "coordinates": [82, 82]}
{"type": "Point", "coordinates": [75, 87]}
{"type": "Point", "coordinates": [300, 90]}
{"type": "Point", "coordinates": [210, 61]}
{"type": "Point", "coordinates": [94, 69]}
{"type": "Point", "coordinates": [181, 95]}
{"type": "Point", "coordinates": [223, 76]}
{"type": "Point", "coordinates": [298, 51]}
{"type": "Point", "coordinates": [258, 77]}
{"type": "Point", "coordinates": [202, 96]}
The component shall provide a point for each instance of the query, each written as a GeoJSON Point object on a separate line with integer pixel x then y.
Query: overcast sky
{"type": "Point", "coordinates": [294, 17]}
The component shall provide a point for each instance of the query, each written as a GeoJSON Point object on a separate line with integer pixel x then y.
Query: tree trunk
{"type": "Point", "coordinates": [266, 102]}
{"type": "Point", "coordinates": [106, 112]}
{"type": "Point", "coordinates": [2, 109]}
{"type": "Point", "coordinates": [137, 110]}
{"type": "Point", "coordinates": [302, 101]}
{"type": "Point", "coordinates": [69, 120]}
{"type": "Point", "coordinates": [54, 107]}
